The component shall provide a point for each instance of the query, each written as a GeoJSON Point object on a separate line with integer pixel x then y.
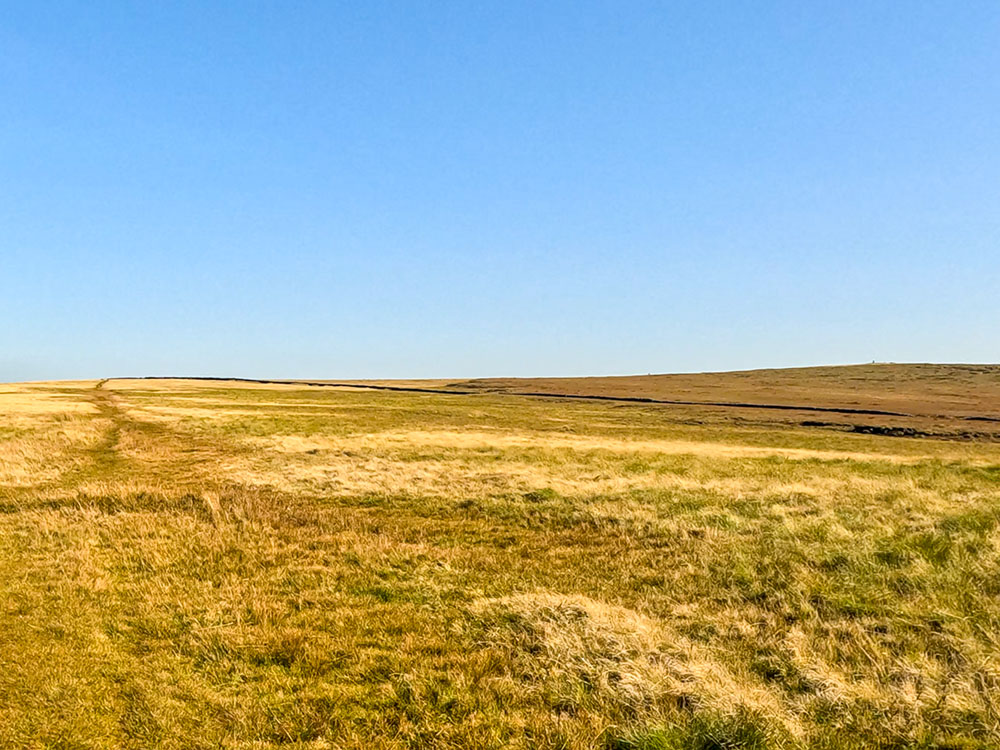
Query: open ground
{"type": "Point", "coordinates": [785, 559]}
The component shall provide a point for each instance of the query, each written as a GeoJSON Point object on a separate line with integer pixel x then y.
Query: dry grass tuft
{"type": "Point", "coordinates": [582, 655]}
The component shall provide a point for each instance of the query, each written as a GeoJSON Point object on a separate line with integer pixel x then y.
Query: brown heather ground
{"type": "Point", "coordinates": [944, 400]}
{"type": "Point", "coordinates": [920, 389]}
{"type": "Point", "coordinates": [234, 565]}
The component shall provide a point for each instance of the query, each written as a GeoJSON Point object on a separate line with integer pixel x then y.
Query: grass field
{"type": "Point", "coordinates": [193, 564]}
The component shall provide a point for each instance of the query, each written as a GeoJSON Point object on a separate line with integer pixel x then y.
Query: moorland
{"type": "Point", "coordinates": [776, 559]}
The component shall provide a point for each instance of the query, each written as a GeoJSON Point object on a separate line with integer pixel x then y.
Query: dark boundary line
{"type": "Point", "coordinates": [580, 397]}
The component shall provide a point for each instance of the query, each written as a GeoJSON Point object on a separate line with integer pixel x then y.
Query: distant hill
{"type": "Point", "coordinates": [935, 399]}
{"type": "Point", "coordinates": [917, 389]}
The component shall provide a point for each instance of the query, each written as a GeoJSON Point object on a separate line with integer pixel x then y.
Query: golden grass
{"type": "Point", "coordinates": [206, 564]}
{"type": "Point", "coordinates": [32, 403]}
{"type": "Point", "coordinates": [473, 440]}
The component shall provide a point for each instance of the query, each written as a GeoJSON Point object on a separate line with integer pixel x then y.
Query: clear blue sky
{"type": "Point", "coordinates": [365, 189]}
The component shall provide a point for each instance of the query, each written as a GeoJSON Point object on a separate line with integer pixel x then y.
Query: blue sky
{"type": "Point", "coordinates": [407, 189]}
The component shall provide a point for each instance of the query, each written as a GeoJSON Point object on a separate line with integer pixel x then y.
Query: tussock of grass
{"type": "Point", "coordinates": [741, 730]}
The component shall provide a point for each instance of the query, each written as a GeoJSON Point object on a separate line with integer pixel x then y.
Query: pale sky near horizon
{"type": "Point", "coordinates": [455, 189]}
